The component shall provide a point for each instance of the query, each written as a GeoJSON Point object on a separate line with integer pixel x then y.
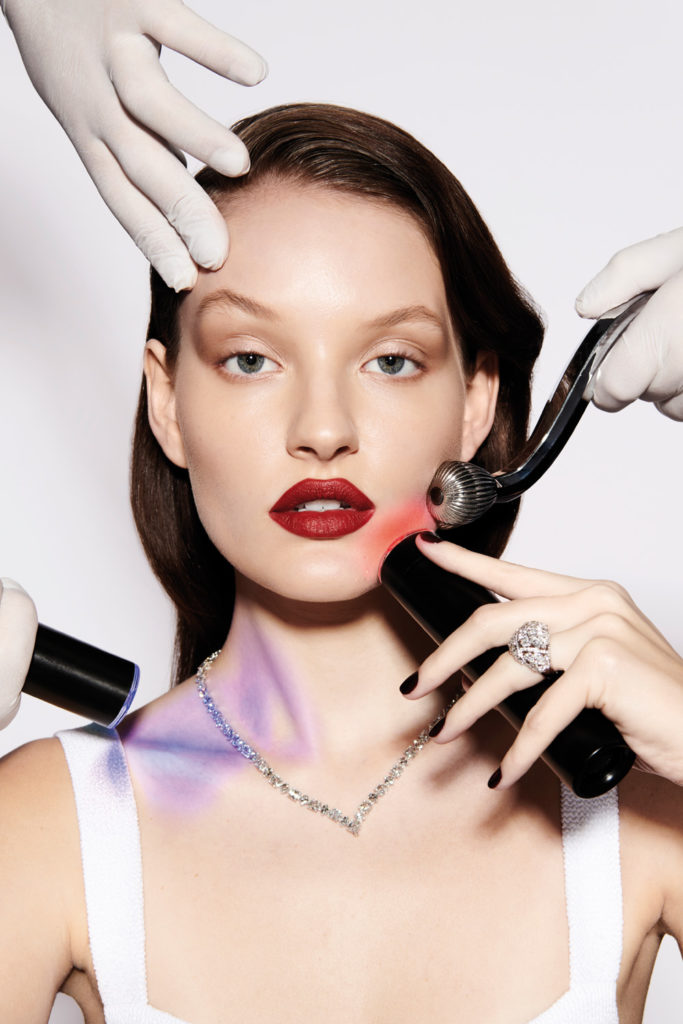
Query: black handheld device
{"type": "Point", "coordinates": [589, 755]}
{"type": "Point", "coordinates": [81, 678]}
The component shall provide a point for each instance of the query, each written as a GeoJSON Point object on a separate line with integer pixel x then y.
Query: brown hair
{"type": "Point", "coordinates": [356, 153]}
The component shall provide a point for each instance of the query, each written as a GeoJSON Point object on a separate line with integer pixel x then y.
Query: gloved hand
{"type": "Point", "coordinates": [95, 63]}
{"type": "Point", "coordinates": [18, 625]}
{"type": "Point", "coordinates": [647, 361]}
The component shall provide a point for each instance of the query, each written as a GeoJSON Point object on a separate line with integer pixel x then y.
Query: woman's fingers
{"type": "Point", "coordinates": [504, 578]}
{"type": "Point", "coordinates": [633, 681]}
{"type": "Point", "coordinates": [513, 581]}
{"type": "Point", "coordinates": [610, 655]}
{"type": "Point", "coordinates": [504, 677]}
{"type": "Point", "coordinates": [599, 608]}
{"type": "Point", "coordinates": [507, 676]}
{"type": "Point", "coordinates": [642, 696]}
{"type": "Point", "coordinates": [551, 713]}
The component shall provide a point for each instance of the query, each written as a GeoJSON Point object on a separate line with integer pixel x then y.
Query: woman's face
{"type": "Point", "coordinates": [317, 368]}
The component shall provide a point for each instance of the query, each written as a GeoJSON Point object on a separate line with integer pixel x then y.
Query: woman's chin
{"type": "Point", "coordinates": [317, 580]}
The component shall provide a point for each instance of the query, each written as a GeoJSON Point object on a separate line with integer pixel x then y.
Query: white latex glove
{"type": "Point", "coordinates": [95, 63]}
{"type": "Point", "coordinates": [18, 625]}
{"type": "Point", "coordinates": [647, 361]}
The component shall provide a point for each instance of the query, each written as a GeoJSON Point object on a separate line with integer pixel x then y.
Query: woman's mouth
{"type": "Point", "coordinates": [322, 509]}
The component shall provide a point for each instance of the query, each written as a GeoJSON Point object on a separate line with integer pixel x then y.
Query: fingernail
{"type": "Point", "coordinates": [495, 779]}
{"type": "Point", "coordinates": [430, 538]}
{"type": "Point", "coordinates": [409, 684]}
{"type": "Point", "coordinates": [436, 729]}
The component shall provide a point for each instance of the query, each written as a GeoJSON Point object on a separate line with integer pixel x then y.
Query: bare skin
{"type": "Point", "coordinates": [450, 905]}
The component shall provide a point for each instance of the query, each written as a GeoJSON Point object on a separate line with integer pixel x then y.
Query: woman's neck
{"type": "Point", "coordinates": [321, 680]}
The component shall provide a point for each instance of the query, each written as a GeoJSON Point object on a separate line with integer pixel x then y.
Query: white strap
{"type": "Point", "coordinates": [112, 863]}
{"type": "Point", "coordinates": [590, 838]}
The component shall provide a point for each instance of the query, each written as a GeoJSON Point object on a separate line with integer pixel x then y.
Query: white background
{"type": "Point", "coordinates": [564, 123]}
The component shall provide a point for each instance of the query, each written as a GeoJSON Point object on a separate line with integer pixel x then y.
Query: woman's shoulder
{"type": "Point", "coordinates": [37, 806]}
{"type": "Point", "coordinates": [32, 776]}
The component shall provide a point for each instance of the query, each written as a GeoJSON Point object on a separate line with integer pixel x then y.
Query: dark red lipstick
{"type": "Point", "coordinates": [350, 509]}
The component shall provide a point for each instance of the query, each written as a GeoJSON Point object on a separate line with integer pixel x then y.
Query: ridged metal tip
{"type": "Point", "coordinates": [460, 493]}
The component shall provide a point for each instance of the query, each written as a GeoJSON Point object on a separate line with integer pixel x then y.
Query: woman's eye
{"type": "Point", "coordinates": [393, 366]}
{"type": "Point", "coordinates": [248, 363]}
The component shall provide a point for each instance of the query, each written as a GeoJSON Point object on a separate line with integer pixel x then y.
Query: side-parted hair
{"type": "Point", "coordinates": [355, 153]}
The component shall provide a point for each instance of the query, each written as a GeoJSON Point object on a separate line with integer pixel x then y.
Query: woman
{"type": "Point", "coordinates": [295, 406]}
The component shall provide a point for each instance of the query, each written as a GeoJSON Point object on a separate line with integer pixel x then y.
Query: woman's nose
{"type": "Point", "coordinates": [322, 424]}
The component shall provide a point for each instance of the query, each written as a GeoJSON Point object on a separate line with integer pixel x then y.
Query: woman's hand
{"type": "Point", "coordinates": [18, 625]}
{"type": "Point", "coordinates": [647, 361]}
{"type": "Point", "coordinates": [612, 656]}
{"type": "Point", "coordinates": [95, 63]}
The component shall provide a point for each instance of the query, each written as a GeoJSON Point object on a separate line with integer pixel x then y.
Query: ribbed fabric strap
{"type": "Point", "coordinates": [110, 851]}
{"type": "Point", "coordinates": [590, 835]}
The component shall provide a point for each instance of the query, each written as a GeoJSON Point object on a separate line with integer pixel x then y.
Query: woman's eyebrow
{"type": "Point", "coordinates": [225, 297]}
{"type": "Point", "coordinates": [408, 314]}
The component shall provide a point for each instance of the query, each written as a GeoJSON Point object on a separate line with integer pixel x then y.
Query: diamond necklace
{"type": "Point", "coordinates": [351, 823]}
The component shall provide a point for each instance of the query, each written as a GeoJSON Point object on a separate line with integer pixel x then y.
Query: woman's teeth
{"type": "Point", "coordinates": [320, 505]}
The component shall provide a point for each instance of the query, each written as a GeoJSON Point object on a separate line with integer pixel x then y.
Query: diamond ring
{"type": "Point", "coordinates": [530, 646]}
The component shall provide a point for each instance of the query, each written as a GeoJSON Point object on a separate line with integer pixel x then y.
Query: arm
{"type": "Point", "coordinates": [40, 868]}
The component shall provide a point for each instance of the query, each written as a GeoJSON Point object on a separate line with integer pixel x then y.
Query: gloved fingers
{"type": "Point", "coordinates": [188, 33]}
{"type": "Point", "coordinates": [672, 407]}
{"type": "Point", "coordinates": [146, 225]}
{"type": "Point", "coordinates": [184, 203]}
{"type": "Point", "coordinates": [147, 94]}
{"type": "Point", "coordinates": [647, 361]}
{"type": "Point", "coordinates": [18, 626]}
{"type": "Point", "coordinates": [638, 268]}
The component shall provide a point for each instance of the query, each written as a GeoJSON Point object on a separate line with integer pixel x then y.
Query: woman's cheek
{"type": "Point", "coordinates": [385, 529]}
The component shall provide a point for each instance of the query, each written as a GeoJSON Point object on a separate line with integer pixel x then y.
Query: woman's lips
{"type": "Point", "coordinates": [350, 509]}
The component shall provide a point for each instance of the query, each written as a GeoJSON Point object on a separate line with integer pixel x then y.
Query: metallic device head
{"type": "Point", "coordinates": [460, 492]}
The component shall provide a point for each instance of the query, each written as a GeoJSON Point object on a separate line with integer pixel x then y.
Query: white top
{"type": "Point", "coordinates": [112, 873]}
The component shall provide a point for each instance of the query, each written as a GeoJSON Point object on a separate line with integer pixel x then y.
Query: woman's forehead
{"type": "Point", "coordinates": [295, 246]}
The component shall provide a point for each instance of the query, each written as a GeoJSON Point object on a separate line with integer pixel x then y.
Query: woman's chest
{"type": "Point", "coordinates": [281, 915]}
{"type": "Point", "coordinates": [392, 926]}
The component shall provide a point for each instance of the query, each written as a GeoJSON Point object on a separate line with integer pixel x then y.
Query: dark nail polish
{"type": "Point", "coordinates": [495, 779]}
{"type": "Point", "coordinates": [409, 684]}
{"type": "Point", "coordinates": [430, 538]}
{"type": "Point", "coordinates": [436, 729]}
